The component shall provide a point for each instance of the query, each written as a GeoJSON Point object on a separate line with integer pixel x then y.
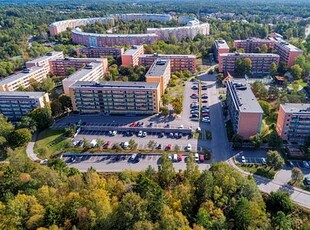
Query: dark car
{"type": "Point", "coordinates": [160, 135]}
{"type": "Point", "coordinates": [159, 146]}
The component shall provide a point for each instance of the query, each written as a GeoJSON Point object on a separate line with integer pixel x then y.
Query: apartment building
{"type": "Point", "coordinates": [220, 47]}
{"type": "Point", "coordinates": [159, 72]}
{"type": "Point", "coordinates": [100, 52]}
{"type": "Point", "coordinates": [91, 72]}
{"type": "Point", "coordinates": [260, 61]}
{"type": "Point", "coordinates": [244, 110]}
{"type": "Point", "coordinates": [134, 98]}
{"type": "Point", "coordinates": [250, 45]}
{"type": "Point", "coordinates": [23, 78]}
{"type": "Point", "coordinates": [44, 60]}
{"type": "Point", "coordinates": [131, 56]}
{"type": "Point", "coordinates": [180, 33]}
{"type": "Point", "coordinates": [144, 17]}
{"type": "Point", "coordinates": [177, 62]}
{"type": "Point", "coordinates": [60, 67]}
{"type": "Point", "coordinates": [110, 40]}
{"type": "Point", "coordinates": [288, 53]}
{"type": "Point", "coordinates": [293, 124]}
{"type": "Point", "coordinates": [15, 105]}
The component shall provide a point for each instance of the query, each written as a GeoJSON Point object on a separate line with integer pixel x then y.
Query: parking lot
{"type": "Point", "coordinates": [120, 162]}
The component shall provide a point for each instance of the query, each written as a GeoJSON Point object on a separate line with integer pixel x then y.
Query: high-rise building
{"type": "Point", "coordinates": [131, 56]}
{"type": "Point", "coordinates": [14, 105]}
{"type": "Point", "coordinates": [100, 52]}
{"type": "Point", "coordinates": [288, 53]}
{"type": "Point", "coordinates": [220, 47]}
{"type": "Point", "coordinates": [293, 124]}
{"type": "Point", "coordinates": [245, 112]}
{"type": "Point", "coordinates": [178, 62]}
{"type": "Point", "coordinates": [261, 62]}
{"type": "Point", "coordinates": [159, 72]}
{"type": "Point", "coordinates": [115, 97]}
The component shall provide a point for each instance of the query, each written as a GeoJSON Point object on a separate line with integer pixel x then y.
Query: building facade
{"type": "Point", "coordinates": [261, 62]}
{"type": "Point", "coordinates": [159, 72]}
{"type": "Point", "coordinates": [251, 45]}
{"type": "Point", "coordinates": [115, 97]}
{"type": "Point", "coordinates": [100, 52]}
{"type": "Point", "coordinates": [177, 62]}
{"type": "Point", "coordinates": [293, 124]}
{"type": "Point", "coordinates": [15, 105]}
{"type": "Point", "coordinates": [44, 60]}
{"type": "Point", "coordinates": [131, 56]}
{"type": "Point", "coordinates": [220, 47]}
{"type": "Point", "coordinates": [91, 72]}
{"type": "Point", "coordinates": [288, 53]}
{"type": "Point", "coordinates": [144, 17]}
{"type": "Point", "coordinates": [244, 110]}
{"type": "Point", "coordinates": [61, 67]}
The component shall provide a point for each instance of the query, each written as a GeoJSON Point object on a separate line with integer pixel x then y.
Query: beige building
{"type": "Point", "coordinates": [159, 72]}
{"type": "Point", "coordinates": [131, 56]}
{"type": "Point", "coordinates": [44, 61]}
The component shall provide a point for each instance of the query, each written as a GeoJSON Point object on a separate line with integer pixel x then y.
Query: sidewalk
{"type": "Point", "coordinates": [298, 196]}
{"type": "Point", "coordinates": [30, 146]}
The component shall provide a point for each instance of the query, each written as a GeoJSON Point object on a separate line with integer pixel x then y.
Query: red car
{"type": "Point", "coordinates": [180, 157]}
{"type": "Point", "coordinates": [201, 158]}
{"type": "Point", "coordinates": [133, 124]}
{"type": "Point", "coordinates": [107, 144]}
{"type": "Point", "coordinates": [168, 147]}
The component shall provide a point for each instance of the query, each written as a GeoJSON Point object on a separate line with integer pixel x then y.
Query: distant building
{"type": "Point", "coordinates": [131, 56]}
{"type": "Point", "coordinates": [159, 72]}
{"type": "Point", "coordinates": [245, 112]}
{"type": "Point", "coordinates": [261, 62]}
{"type": "Point", "coordinates": [178, 62]}
{"type": "Point", "coordinates": [100, 52]}
{"type": "Point", "coordinates": [220, 47]}
{"type": "Point", "coordinates": [288, 53]}
{"type": "Point", "coordinates": [15, 105]}
{"type": "Point", "coordinates": [293, 124]}
{"type": "Point", "coordinates": [250, 45]}
{"type": "Point", "coordinates": [144, 17]}
{"type": "Point", "coordinates": [110, 97]}
{"type": "Point", "coordinates": [91, 72]}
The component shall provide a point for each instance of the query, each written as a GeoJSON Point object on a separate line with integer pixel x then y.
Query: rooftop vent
{"type": "Point", "coordinates": [88, 66]}
{"type": "Point", "coordinates": [49, 54]}
{"type": "Point", "coordinates": [27, 70]}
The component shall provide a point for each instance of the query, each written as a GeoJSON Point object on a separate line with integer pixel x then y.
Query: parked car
{"type": "Point", "coordinates": [204, 96]}
{"type": "Point", "coordinates": [201, 158]}
{"type": "Point", "coordinates": [167, 126]}
{"type": "Point", "coordinates": [180, 157]}
{"type": "Point", "coordinates": [188, 147]}
{"type": "Point", "coordinates": [168, 147]}
{"type": "Point", "coordinates": [161, 135]}
{"type": "Point", "coordinates": [151, 124]}
{"type": "Point", "coordinates": [171, 135]}
{"type": "Point", "coordinates": [133, 124]}
{"type": "Point", "coordinates": [263, 161]}
{"type": "Point", "coordinates": [290, 163]}
{"type": "Point", "coordinates": [175, 157]}
{"type": "Point", "coordinates": [204, 87]}
{"type": "Point", "coordinates": [205, 120]}
{"type": "Point", "coordinates": [140, 124]}
{"type": "Point", "coordinates": [144, 134]}
{"type": "Point", "coordinates": [243, 160]}
{"type": "Point", "coordinates": [305, 163]}
{"type": "Point", "coordinates": [140, 133]}
{"type": "Point", "coordinates": [194, 119]}
{"type": "Point", "coordinates": [307, 181]}
{"type": "Point", "coordinates": [176, 135]}
{"type": "Point", "coordinates": [107, 144]}
{"type": "Point", "coordinates": [194, 87]}
{"type": "Point", "coordinates": [80, 143]}
{"type": "Point", "coordinates": [196, 157]}
{"type": "Point", "coordinates": [159, 146]}
{"type": "Point", "coordinates": [133, 157]}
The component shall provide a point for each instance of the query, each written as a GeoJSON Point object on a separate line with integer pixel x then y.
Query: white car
{"type": "Point", "coordinates": [140, 133]}
{"type": "Point", "coordinates": [243, 160]}
{"type": "Point", "coordinates": [181, 127]}
{"type": "Point", "coordinates": [144, 134]}
{"type": "Point", "coordinates": [175, 157]}
{"type": "Point", "coordinates": [188, 147]}
{"type": "Point", "coordinates": [306, 164]}
{"type": "Point", "coordinates": [206, 120]}
{"type": "Point", "coordinates": [196, 157]}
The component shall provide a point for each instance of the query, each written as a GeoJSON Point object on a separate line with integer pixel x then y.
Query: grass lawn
{"type": "Point", "coordinates": [176, 91]}
{"type": "Point", "coordinates": [261, 170]}
{"type": "Point", "coordinates": [50, 142]}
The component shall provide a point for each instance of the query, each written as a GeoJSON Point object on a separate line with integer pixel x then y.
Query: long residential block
{"type": "Point", "coordinates": [245, 112]}
{"type": "Point", "coordinates": [250, 45]}
{"type": "Point", "coordinates": [100, 52]}
{"type": "Point", "coordinates": [293, 123]}
{"type": "Point", "coordinates": [159, 72]}
{"type": "Point", "coordinates": [115, 97]}
{"type": "Point", "coordinates": [288, 52]}
{"type": "Point", "coordinates": [261, 62]}
{"type": "Point", "coordinates": [177, 62]}
{"type": "Point", "coordinates": [220, 47]}
{"type": "Point", "coordinates": [131, 56]}
{"type": "Point", "coordinates": [44, 60]}
{"type": "Point", "coordinates": [15, 105]}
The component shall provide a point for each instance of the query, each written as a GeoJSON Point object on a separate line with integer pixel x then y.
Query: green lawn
{"type": "Point", "coordinates": [261, 170]}
{"type": "Point", "coordinates": [50, 142]}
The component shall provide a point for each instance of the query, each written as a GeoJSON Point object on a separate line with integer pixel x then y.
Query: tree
{"type": "Point", "coordinates": [279, 201]}
{"type": "Point", "coordinates": [43, 117]}
{"type": "Point", "coordinates": [275, 141]}
{"type": "Point", "coordinates": [192, 172]}
{"type": "Point", "coordinates": [27, 122]}
{"type": "Point", "coordinates": [296, 71]}
{"type": "Point", "coordinates": [20, 137]}
{"type": "Point", "coordinates": [65, 101]}
{"type": "Point", "coordinates": [47, 85]}
{"type": "Point", "coordinates": [264, 48]}
{"type": "Point", "coordinates": [177, 105]}
{"type": "Point", "coordinates": [259, 90]}
{"type": "Point", "coordinates": [282, 68]}
{"type": "Point", "coordinates": [265, 106]}
{"type": "Point", "coordinates": [273, 92]}
{"type": "Point", "coordinates": [237, 141]}
{"type": "Point", "coordinates": [243, 66]}
{"type": "Point", "coordinates": [6, 126]}
{"type": "Point", "coordinates": [242, 214]}
{"type": "Point", "coordinates": [56, 107]}
{"type": "Point", "coordinates": [274, 159]}
{"type": "Point", "coordinates": [273, 69]}
{"type": "Point", "coordinates": [296, 175]}
{"type": "Point", "coordinates": [281, 221]}
{"type": "Point", "coordinates": [164, 111]}
{"type": "Point", "coordinates": [151, 144]}
{"type": "Point", "coordinates": [166, 171]}
{"type": "Point", "coordinates": [256, 140]}
{"type": "Point", "coordinates": [132, 144]}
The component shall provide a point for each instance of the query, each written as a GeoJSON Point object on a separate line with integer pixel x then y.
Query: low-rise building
{"type": "Point", "coordinates": [44, 60]}
{"type": "Point", "coordinates": [91, 72]}
{"type": "Point", "coordinates": [131, 56]}
{"type": "Point", "coordinates": [23, 78]}
{"type": "Point", "coordinates": [293, 124]}
{"type": "Point", "coordinates": [220, 47]}
{"type": "Point", "coordinates": [15, 105]}
{"type": "Point", "coordinates": [178, 62]}
{"type": "Point", "coordinates": [251, 45]}
{"type": "Point", "coordinates": [159, 72]}
{"type": "Point", "coordinates": [100, 52]}
{"type": "Point", "coordinates": [115, 97]}
{"type": "Point", "coordinates": [245, 112]}
{"type": "Point", "coordinates": [261, 62]}
{"type": "Point", "coordinates": [288, 52]}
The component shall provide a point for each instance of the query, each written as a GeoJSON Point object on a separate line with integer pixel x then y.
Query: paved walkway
{"type": "Point", "coordinates": [299, 196]}
{"type": "Point", "coordinates": [30, 146]}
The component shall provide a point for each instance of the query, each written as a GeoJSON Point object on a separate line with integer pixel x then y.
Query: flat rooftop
{"type": "Point", "coordinates": [254, 40]}
{"type": "Point", "coordinates": [19, 75]}
{"type": "Point", "coordinates": [78, 75]}
{"type": "Point", "coordinates": [158, 68]}
{"type": "Point", "coordinates": [133, 50]}
{"type": "Point", "coordinates": [288, 46]}
{"type": "Point", "coordinates": [46, 56]}
{"type": "Point", "coordinates": [243, 97]}
{"type": "Point", "coordinates": [221, 44]}
{"type": "Point", "coordinates": [168, 55]}
{"type": "Point", "coordinates": [248, 55]}
{"type": "Point", "coordinates": [116, 85]}
{"type": "Point", "coordinates": [296, 107]}
{"type": "Point", "coordinates": [20, 94]}
{"type": "Point", "coordinates": [78, 31]}
{"type": "Point", "coordinates": [70, 59]}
